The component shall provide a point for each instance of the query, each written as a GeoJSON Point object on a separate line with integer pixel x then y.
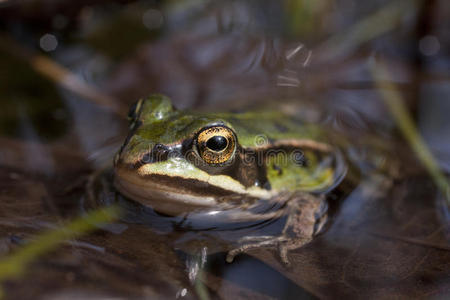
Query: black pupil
{"type": "Point", "coordinates": [217, 143]}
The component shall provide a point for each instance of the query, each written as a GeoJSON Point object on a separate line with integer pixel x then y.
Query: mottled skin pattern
{"type": "Point", "coordinates": [273, 158]}
{"type": "Point", "coordinates": [157, 122]}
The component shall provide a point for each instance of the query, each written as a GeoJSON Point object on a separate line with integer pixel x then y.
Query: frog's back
{"type": "Point", "coordinates": [255, 128]}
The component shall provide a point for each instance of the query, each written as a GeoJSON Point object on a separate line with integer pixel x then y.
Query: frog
{"type": "Point", "coordinates": [231, 167]}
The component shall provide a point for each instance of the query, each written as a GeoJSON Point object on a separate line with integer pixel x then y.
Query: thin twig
{"type": "Point", "coordinates": [61, 75]}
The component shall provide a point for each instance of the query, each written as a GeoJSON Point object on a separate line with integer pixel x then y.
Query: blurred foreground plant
{"type": "Point", "coordinates": [394, 101]}
{"type": "Point", "coordinates": [14, 264]}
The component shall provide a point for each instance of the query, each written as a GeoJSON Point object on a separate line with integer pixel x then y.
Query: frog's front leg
{"type": "Point", "coordinates": [306, 216]}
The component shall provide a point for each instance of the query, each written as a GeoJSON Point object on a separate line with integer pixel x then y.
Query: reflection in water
{"type": "Point", "coordinates": [289, 76]}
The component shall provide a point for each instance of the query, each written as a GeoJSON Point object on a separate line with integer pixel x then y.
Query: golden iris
{"type": "Point", "coordinates": [216, 144]}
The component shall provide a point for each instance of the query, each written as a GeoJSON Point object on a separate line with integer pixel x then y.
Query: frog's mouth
{"type": "Point", "coordinates": [171, 195]}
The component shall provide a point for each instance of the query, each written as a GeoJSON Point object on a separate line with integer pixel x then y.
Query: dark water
{"type": "Point", "coordinates": [390, 234]}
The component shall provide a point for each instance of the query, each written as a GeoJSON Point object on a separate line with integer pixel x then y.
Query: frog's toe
{"type": "Point", "coordinates": [231, 255]}
{"type": "Point", "coordinates": [256, 239]}
{"type": "Point", "coordinates": [289, 245]}
{"type": "Point", "coordinates": [255, 242]}
{"type": "Point", "coordinates": [282, 243]}
{"type": "Point", "coordinates": [283, 253]}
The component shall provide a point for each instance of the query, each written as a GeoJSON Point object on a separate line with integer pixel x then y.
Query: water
{"type": "Point", "coordinates": [388, 235]}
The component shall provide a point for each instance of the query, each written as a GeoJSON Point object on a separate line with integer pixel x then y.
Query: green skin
{"type": "Point", "coordinates": [277, 161]}
{"type": "Point", "coordinates": [269, 139]}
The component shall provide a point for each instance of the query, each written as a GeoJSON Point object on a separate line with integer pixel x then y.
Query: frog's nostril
{"type": "Point", "coordinates": [158, 153]}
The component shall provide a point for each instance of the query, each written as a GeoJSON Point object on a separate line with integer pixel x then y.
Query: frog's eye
{"type": "Point", "coordinates": [216, 144]}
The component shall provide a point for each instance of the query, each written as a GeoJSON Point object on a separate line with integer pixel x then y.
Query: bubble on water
{"type": "Point", "coordinates": [429, 45]}
{"type": "Point", "coordinates": [48, 42]}
{"type": "Point", "coordinates": [152, 19]}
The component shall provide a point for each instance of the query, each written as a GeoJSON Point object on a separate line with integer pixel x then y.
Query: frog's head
{"type": "Point", "coordinates": [176, 161]}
